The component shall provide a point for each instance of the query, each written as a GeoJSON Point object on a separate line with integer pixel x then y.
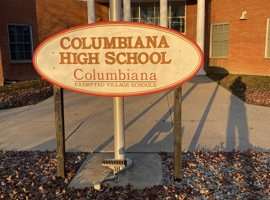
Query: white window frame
{"type": "Point", "coordinates": [211, 48]}
{"type": "Point", "coordinates": [267, 44]}
{"type": "Point", "coordinates": [31, 41]}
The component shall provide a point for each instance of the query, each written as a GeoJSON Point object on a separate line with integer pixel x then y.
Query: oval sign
{"type": "Point", "coordinates": [118, 59]}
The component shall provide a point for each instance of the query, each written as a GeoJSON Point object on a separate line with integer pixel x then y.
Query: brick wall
{"type": "Point", "coordinates": [191, 19]}
{"type": "Point", "coordinates": [102, 12]}
{"type": "Point", "coordinates": [46, 18]}
{"type": "Point", "coordinates": [17, 12]}
{"type": "Point", "coordinates": [61, 14]}
{"type": "Point", "coordinates": [246, 37]}
{"type": "Point", "coordinates": [246, 51]}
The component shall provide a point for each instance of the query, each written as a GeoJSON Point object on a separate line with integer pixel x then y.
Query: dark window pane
{"type": "Point", "coordinates": [182, 29]}
{"type": "Point", "coordinates": [19, 30]}
{"type": "Point", "coordinates": [13, 56]}
{"type": "Point", "coordinates": [177, 9]}
{"type": "Point", "coordinates": [182, 25]}
{"type": "Point", "coordinates": [175, 19]}
{"type": "Point", "coordinates": [148, 20]}
{"type": "Point", "coordinates": [13, 47]}
{"type": "Point", "coordinates": [27, 47]}
{"type": "Point", "coordinates": [11, 29]}
{"type": "Point", "coordinates": [135, 10]}
{"type": "Point", "coordinates": [147, 11]}
{"type": "Point", "coordinates": [28, 55]}
{"type": "Point", "coordinates": [20, 55]}
{"type": "Point", "coordinates": [135, 20]}
{"type": "Point", "coordinates": [157, 21]}
{"type": "Point", "coordinates": [20, 47]}
{"type": "Point", "coordinates": [12, 38]}
{"type": "Point", "coordinates": [26, 30]}
{"type": "Point", "coordinates": [19, 38]}
{"type": "Point", "coordinates": [26, 38]}
{"type": "Point", "coordinates": [175, 26]}
{"type": "Point", "coordinates": [157, 10]}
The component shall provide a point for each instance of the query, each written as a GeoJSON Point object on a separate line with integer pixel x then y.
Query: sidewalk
{"type": "Point", "coordinates": [212, 118]}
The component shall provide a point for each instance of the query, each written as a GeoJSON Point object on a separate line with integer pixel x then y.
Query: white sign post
{"type": "Point", "coordinates": [118, 102]}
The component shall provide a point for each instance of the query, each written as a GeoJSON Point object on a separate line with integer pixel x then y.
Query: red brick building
{"type": "Point", "coordinates": [248, 38]}
{"type": "Point", "coordinates": [237, 33]}
{"type": "Point", "coordinates": [24, 24]}
{"type": "Point", "coordinates": [17, 12]}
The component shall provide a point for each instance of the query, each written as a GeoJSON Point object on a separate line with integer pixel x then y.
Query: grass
{"type": "Point", "coordinates": [24, 85]}
{"type": "Point", "coordinates": [251, 81]}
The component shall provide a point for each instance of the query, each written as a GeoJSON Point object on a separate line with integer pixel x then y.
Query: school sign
{"type": "Point", "coordinates": [118, 59]}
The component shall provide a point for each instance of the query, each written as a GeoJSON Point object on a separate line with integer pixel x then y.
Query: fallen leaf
{"type": "Point", "coordinates": [9, 178]}
{"type": "Point", "coordinates": [204, 191]}
{"type": "Point", "coordinates": [192, 165]}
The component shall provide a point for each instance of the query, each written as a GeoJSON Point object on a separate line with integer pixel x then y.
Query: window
{"type": "Point", "coordinates": [20, 42]}
{"type": "Point", "coordinates": [176, 19]}
{"type": "Point", "coordinates": [219, 40]}
{"type": "Point", "coordinates": [267, 47]}
{"type": "Point", "coordinates": [148, 12]}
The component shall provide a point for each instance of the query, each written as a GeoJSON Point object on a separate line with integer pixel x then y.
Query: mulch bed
{"type": "Point", "coordinates": [206, 175]}
{"type": "Point", "coordinates": [25, 93]}
{"type": "Point", "coordinates": [258, 97]}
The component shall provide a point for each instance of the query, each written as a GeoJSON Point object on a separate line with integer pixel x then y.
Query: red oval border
{"type": "Point", "coordinates": [120, 23]}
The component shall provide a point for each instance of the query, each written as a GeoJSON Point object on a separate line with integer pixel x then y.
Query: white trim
{"type": "Point", "coordinates": [267, 45]}
{"type": "Point", "coordinates": [211, 31]}
{"type": "Point", "coordinates": [31, 40]}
